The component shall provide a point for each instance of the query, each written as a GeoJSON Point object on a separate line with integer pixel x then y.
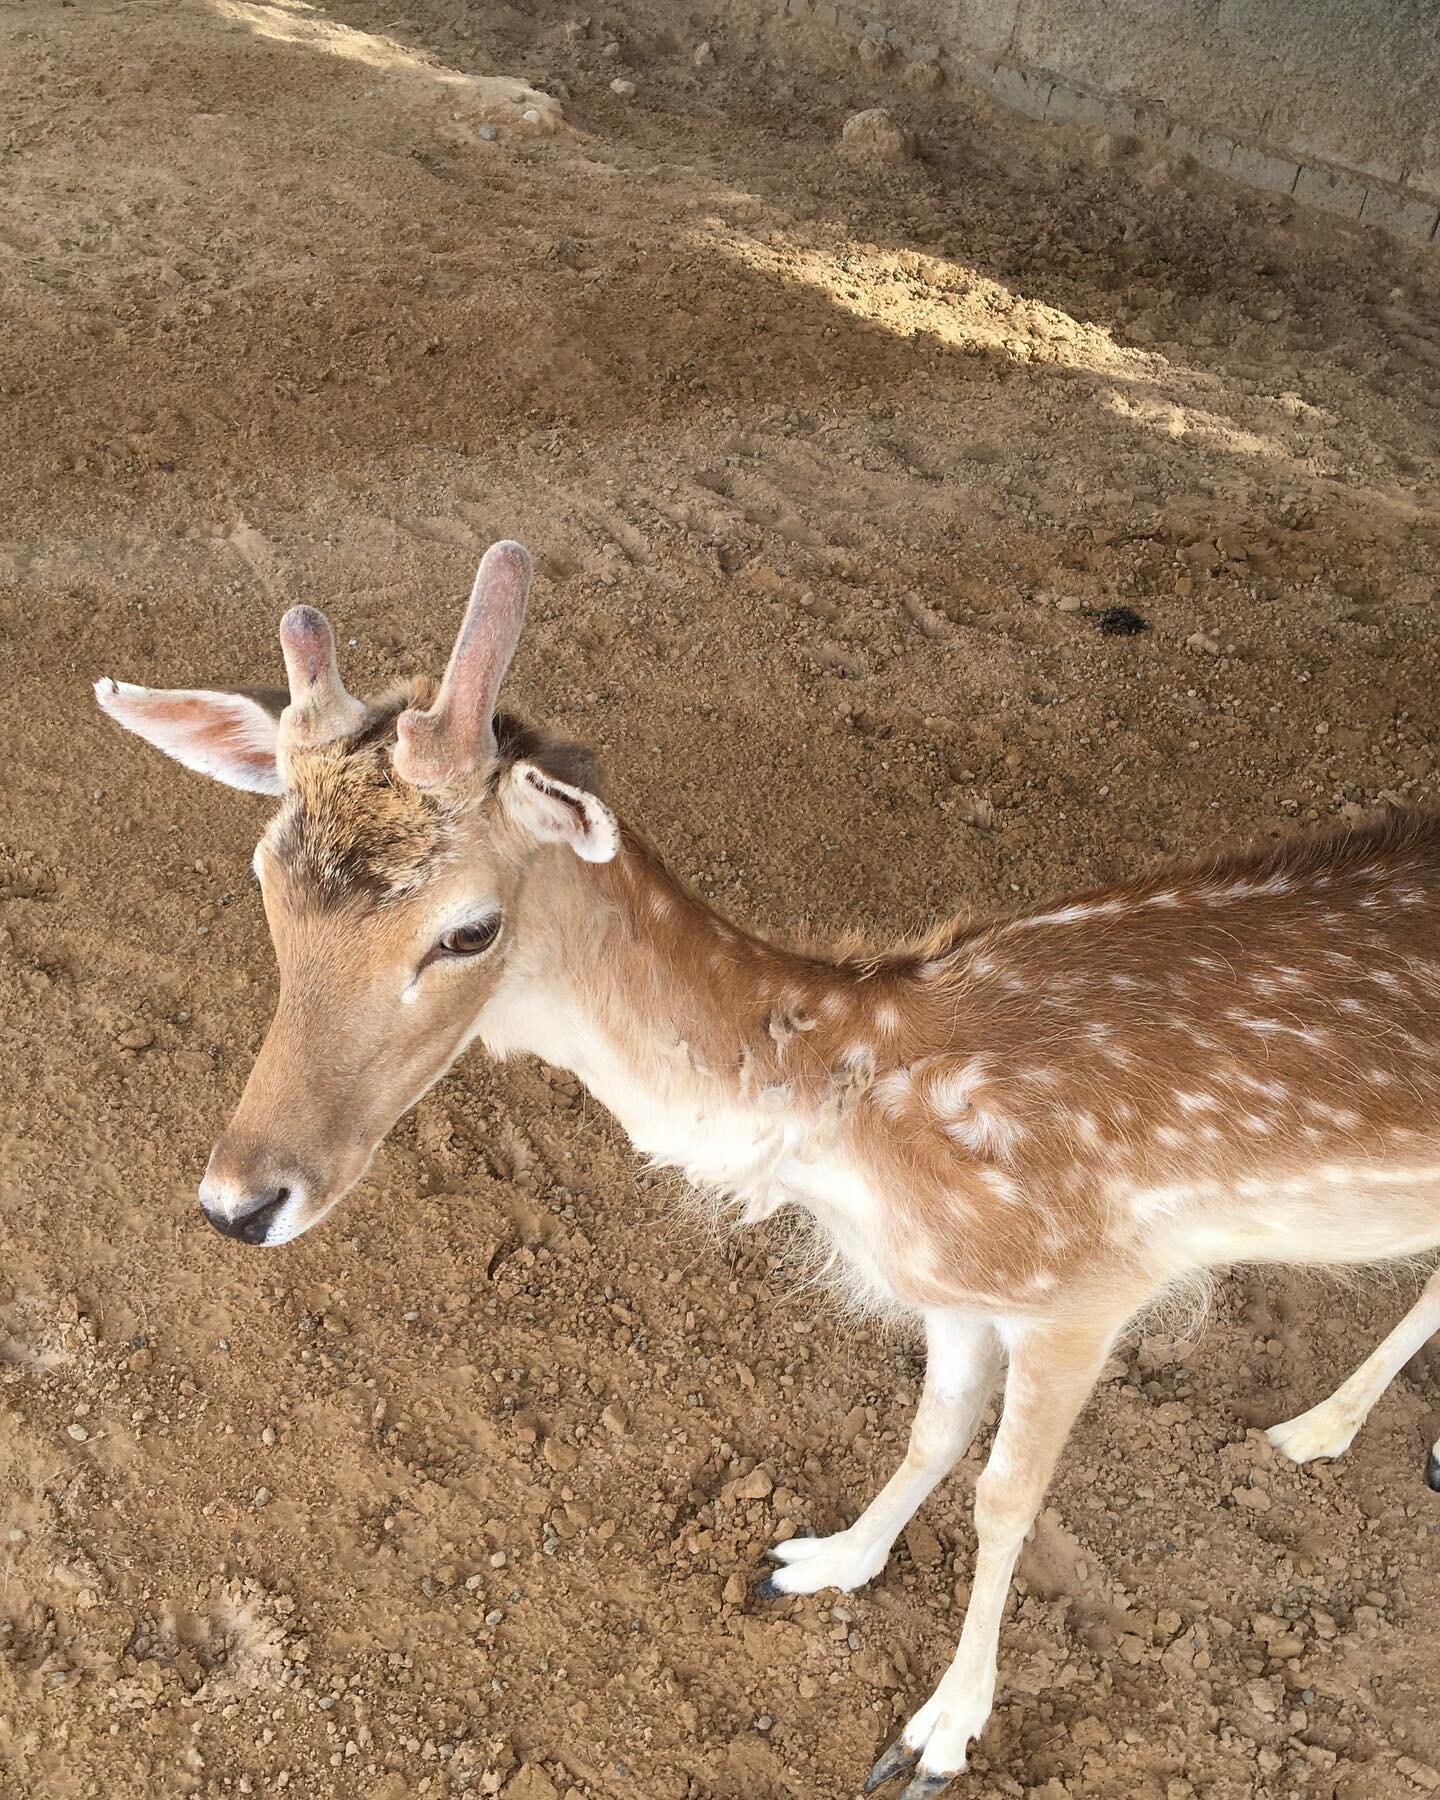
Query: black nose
{"type": "Point", "coordinates": [254, 1226]}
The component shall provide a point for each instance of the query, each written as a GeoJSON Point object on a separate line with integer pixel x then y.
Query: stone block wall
{"type": "Point", "coordinates": [1335, 102]}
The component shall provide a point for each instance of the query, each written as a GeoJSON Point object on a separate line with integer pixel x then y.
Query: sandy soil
{"type": "Point", "coordinates": [832, 470]}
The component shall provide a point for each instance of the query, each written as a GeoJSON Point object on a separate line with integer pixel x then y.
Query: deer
{"type": "Point", "coordinates": [1019, 1133]}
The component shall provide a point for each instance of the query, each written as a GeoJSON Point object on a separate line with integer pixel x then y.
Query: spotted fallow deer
{"type": "Point", "coordinates": [1021, 1132]}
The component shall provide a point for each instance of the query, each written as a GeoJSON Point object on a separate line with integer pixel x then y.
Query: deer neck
{"type": "Point", "coordinates": [717, 1052]}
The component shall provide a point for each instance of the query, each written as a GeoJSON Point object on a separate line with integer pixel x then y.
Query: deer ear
{"type": "Point", "coordinates": [229, 735]}
{"type": "Point", "coordinates": [556, 813]}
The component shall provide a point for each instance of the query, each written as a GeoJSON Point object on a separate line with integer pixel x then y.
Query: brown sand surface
{"type": "Point", "coordinates": [831, 468]}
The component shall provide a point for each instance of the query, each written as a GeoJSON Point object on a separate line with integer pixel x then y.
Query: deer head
{"type": "Point", "coordinates": [395, 876]}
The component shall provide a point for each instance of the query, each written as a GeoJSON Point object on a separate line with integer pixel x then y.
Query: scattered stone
{"type": "Point", "coordinates": [625, 89]}
{"type": "Point", "coordinates": [853, 1424]}
{"type": "Point", "coordinates": [262, 1497]}
{"type": "Point", "coordinates": [138, 1037]}
{"type": "Point", "coordinates": [873, 136]}
{"type": "Point", "coordinates": [703, 56]}
{"type": "Point", "coordinates": [1070, 603]}
{"type": "Point", "coordinates": [924, 73]}
{"type": "Point", "coordinates": [877, 1668]}
{"type": "Point", "coordinates": [1256, 1499]}
{"type": "Point", "coordinates": [757, 1485]}
{"type": "Point", "coordinates": [489, 133]}
{"type": "Point", "coordinates": [78, 1432]}
{"type": "Point", "coordinates": [560, 1456]}
{"type": "Point", "coordinates": [532, 1784]}
{"type": "Point", "coordinates": [1204, 641]}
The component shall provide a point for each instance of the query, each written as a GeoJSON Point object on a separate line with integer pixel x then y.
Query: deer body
{"type": "Point", "coordinates": [1021, 1133]}
{"type": "Point", "coordinates": [1129, 1086]}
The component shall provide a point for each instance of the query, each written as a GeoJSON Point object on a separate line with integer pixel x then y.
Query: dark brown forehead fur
{"type": "Point", "coordinates": [350, 827]}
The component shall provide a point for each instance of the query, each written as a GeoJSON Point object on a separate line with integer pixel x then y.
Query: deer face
{"type": "Point", "coordinates": [395, 876]}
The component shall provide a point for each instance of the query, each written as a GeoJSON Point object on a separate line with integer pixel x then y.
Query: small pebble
{"type": "Point", "coordinates": [262, 1496]}
{"type": "Point", "coordinates": [530, 116]}
{"type": "Point", "coordinates": [78, 1432]}
{"type": "Point", "coordinates": [625, 89]}
{"type": "Point", "coordinates": [489, 133]}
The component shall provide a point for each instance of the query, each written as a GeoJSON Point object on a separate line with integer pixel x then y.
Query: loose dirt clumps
{"type": "Point", "coordinates": [831, 470]}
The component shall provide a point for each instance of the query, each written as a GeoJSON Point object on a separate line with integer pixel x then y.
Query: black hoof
{"type": "Point", "coordinates": [925, 1787]}
{"type": "Point", "coordinates": [767, 1590]}
{"type": "Point", "coordinates": [1432, 1469]}
{"type": "Point", "coordinates": [896, 1759]}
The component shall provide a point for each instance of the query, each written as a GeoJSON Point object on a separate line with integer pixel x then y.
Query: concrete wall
{"type": "Point", "coordinates": [1334, 101]}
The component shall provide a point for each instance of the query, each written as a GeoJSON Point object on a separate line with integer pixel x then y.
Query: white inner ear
{"type": "Point", "coordinates": [557, 813]}
{"type": "Point", "coordinates": [229, 737]}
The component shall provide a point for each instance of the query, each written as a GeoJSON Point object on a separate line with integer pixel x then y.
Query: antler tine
{"type": "Point", "coordinates": [319, 709]}
{"type": "Point", "coordinates": [456, 734]}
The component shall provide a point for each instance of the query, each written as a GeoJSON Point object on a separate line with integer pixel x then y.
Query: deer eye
{"type": "Point", "coordinates": [469, 940]}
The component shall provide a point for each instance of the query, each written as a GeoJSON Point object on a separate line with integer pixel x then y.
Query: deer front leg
{"type": "Point", "coordinates": [962, 1362]}
{"type": "Point", "coordinates": [1052, 1370]}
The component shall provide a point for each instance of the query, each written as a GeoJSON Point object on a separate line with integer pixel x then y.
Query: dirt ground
{"type": "Point", "coordinates": [833, 471]}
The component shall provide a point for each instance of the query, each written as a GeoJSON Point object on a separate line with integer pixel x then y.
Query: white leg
{"type": "Point", "coordinates": [962, 1364]}
{"type": "Point", "coordinates": [1326, 1430]}
{"type": "Point", "coordinates": [1052, 1371]}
